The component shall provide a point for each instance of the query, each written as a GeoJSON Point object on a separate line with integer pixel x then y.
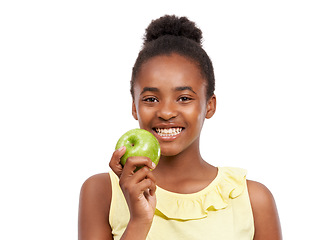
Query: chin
{"type": "Point", "coordinates": [169, 152]}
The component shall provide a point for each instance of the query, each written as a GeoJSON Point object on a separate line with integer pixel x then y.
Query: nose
{"type": "Point", "coordinates": [167, 110]}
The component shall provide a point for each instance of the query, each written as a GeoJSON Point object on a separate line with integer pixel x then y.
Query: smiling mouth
{"type": "Point", "coordinates": [168, 132]}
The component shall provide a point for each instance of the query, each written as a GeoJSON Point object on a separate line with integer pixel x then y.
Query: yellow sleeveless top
{"type": "Point", "coordinates": [220, 211]}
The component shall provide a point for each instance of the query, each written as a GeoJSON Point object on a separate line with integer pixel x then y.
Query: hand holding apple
{"type": "Point", "coordinates": [138, 187]}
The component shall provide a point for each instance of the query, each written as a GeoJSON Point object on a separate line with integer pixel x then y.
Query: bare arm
{"type": "Point", "coordinates": [94, 205]}
{"type": "Point", "coordinates": [266, 219]}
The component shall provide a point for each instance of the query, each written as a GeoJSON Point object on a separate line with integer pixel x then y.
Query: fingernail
{"type": "Point", "coordinates": [153, 165]}
{"type": "Point", "coordinates": [120, 149]}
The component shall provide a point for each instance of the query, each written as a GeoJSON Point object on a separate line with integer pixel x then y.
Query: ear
{"type": "Point", "coordinates": [211, 106]}
{"type": "Point", "coordinates": [134, 111]}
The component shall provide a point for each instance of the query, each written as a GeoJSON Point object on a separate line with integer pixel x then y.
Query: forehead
{"type": "Point", "coordinates": [169, 71]}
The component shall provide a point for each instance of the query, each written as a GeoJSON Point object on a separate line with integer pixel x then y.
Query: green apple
{"type": "Point", "coordinates": [139, 142]}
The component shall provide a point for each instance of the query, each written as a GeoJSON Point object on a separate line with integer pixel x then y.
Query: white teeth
{"type": "Point", "coordinates": [167, 132]}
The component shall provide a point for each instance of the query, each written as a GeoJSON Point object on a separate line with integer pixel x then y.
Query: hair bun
{"type": "Point", "coordinates": [172, 25]}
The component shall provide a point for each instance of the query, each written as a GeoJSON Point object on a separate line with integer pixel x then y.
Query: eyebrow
{"type": "Point", "coordinates": [154, 89]}
{"type": "Point", "coordinates": [182, 88]}
{"type": "Point", "coordinates": [149, 89]}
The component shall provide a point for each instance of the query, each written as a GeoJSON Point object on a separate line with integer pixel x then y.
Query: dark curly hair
{"type": "Point", "coordinates": [171, 34]}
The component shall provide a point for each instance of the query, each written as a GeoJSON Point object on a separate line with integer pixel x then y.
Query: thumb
{"type": "Point", "coordinates": [114, 163]}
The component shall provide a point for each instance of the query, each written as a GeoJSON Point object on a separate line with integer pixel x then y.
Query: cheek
{"type": "Point", "coordinates": [198, 116]}
{"type": "Point", "coordinates": [197, 113]}
{"type": "Point", "coordinates": [144, 115]}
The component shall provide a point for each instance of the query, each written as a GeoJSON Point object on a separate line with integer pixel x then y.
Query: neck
{"type": "Point", "coordinates": [181, 164]}
{"type": "Point", "coordinates": [184, 173]}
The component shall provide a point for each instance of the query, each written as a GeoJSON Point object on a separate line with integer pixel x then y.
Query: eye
{"type": "Point", "coordinates": [184, 99]}
{"type": "Point", "coordinates": [150, 100]}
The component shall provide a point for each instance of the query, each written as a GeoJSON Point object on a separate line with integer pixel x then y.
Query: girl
{"type": "Point", "coordinates": [184, 197]}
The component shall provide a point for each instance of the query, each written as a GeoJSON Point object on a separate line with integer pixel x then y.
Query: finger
{"type": "Point", "coordinates": [147, 186]}
{"type": "Point", "coordinates": [133, 162]}
{"type": "Point", "coordinates": [152, 189]}
{"type": "Point", "coordinates": [143, 173]}
{"type": "Point", "coordinates": [114, 163]}
{"type": "Point", "coordinates": [132, 181]}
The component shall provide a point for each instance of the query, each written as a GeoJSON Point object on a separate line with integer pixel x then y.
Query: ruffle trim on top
{"type": "Point", "coordinates": [228, 184]}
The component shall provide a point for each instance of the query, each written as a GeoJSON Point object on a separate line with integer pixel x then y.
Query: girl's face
{"type": "Point", "coordinates": [170, 102]}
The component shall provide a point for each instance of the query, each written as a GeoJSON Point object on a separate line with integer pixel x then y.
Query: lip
{"type": "Point", "coordinates": [167, 138]}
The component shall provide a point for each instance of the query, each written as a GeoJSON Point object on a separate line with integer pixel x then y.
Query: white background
{"type": "Point", "coordinates": [65, 68]}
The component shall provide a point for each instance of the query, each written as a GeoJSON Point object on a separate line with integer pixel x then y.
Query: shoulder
{"type": "Point", "coordinates": [97, 188]}
{"type": "Point", "coordinates": [259, 193]}
{"type": "Point", "coordinates": [94, 207]}
{"type": "Point", "coordinates": [266, 219]}
{"type": "Point", "coordinates": [97, 182]}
